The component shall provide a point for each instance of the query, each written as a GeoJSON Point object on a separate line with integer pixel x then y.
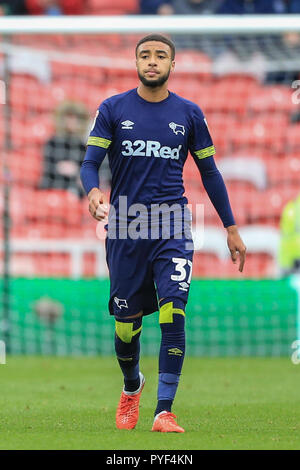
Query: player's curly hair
{"type": "Point", "coordinates": [160, 38]}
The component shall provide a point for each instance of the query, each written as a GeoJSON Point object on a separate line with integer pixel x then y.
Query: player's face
{"type": "Point", "coordinates": [154, 63]}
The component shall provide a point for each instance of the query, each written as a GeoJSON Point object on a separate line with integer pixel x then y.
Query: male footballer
{"type": "Point", "coordinates": [147, 133]}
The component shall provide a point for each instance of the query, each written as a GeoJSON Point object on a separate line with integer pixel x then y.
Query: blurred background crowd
{"type": "Point", "coordinates": [150, 7]}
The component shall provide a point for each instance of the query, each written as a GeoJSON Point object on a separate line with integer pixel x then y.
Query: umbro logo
{"type": "Point", "coordinates": [127, 124]}
{"type": "Point", "coordinates": [184, 286]}
{"type": "Point", "coordinates": [175, 352]}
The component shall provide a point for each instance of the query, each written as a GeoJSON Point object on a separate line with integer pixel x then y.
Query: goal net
{"type": "Point", "coordinates": [244, 74]}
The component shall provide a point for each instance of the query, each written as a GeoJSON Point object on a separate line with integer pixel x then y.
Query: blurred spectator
{"type": "Point", "coordinates": [228, 63]}
{"type": "Point", "coordinates": [64, 151]}
{"type": "Point", "coordinates": [13, 7]}
{"type": "Point", "coordinates": [156, 7]}
{"type": "Point", "coordinates": [286, 49]}
{"type": "Point", "coordinates": [293, 6]}
{"type": "Point", "coordinates": [295, 117]}
{"type": "Point", "coordinates": [289, 251]}
{"type": "Point", "coordinates": [54, 7]}
{"type": "Point", "coordinates": [195, 7]}
{"type": "Point", "coordinates": [241, 7]}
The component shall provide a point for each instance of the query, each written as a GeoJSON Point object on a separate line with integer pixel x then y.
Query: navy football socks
{"type": "Point", "coordinates": [172, 351]}
{"type": "Point", "coordinates": [128, 354]}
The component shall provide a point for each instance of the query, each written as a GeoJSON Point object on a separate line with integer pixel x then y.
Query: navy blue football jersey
{"type": "Point", "coordinates": [147, 145]}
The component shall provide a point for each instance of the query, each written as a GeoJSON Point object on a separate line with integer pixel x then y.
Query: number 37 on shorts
{"type": "Point", "coordinates": [182, 273]}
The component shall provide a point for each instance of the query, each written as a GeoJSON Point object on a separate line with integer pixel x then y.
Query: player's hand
{"type": "Point", "coordinates": [236, 246]}
{"type": "Point", "coordinates": [97, 206]}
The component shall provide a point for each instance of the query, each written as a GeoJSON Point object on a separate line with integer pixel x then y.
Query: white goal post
{"type": "Point", "coordinates": [177, 24]}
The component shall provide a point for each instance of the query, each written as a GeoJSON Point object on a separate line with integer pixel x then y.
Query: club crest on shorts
{"type": "Point", "coordinates": [177, 128]}
{"type": "Point", "coordinates": [121, 302]}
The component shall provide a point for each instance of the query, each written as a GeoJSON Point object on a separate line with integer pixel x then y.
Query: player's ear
{"type": "Point", "coordinates": [172, 65]}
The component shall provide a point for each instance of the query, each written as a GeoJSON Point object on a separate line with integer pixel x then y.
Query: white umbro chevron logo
{"type": "Point", "coordinates": [184, 286]}
{"type": "Point", "coordinates": [127, 124]}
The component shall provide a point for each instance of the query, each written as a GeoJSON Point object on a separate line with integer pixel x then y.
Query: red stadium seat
{"type": "Point", "coordinates": [267, 206]}
{"type": "Point", "coordinates": [258, 265]}
{"type": "Point", "coordinates": [81, 91]}
{"type": "Point", "coordinates": [200, 204]}
{"type": "Point", "coordinates": [43, 97]}
{"type": "Point", "coordinates": [271, 99]}
{"type": "Point", "coordinates": [245, 169]}
{"type": "Point", "coordinates": [293, 138]}
{"type": "Point", "coordinates": [228, 96]}
{"type": "Point", "coordinates": [239, 193]}
{"type": "Point", "coordinates": [54, 205]}
{"type": "Point", "coordinates": [47, 230]}
{"type": "Point", "coordinates": [45, 41]}
{"type": "Point", "coordinates": [284, 170]}
{"type": "Point", "coordinates": [89, 73]}
{"type": "Point", "coordinates": [50, 264]}
{"type": "Point", "coordinates": [33, 131]}
{"type": "Point", "coordinates": [25, 166]}
{"type": "Point", "coordinates": [221, 126]}
{"type": "Point", "coordinates": [193, 63]}
{"type": "Point", "coordinates": [267, 133]}
{"type": "Point", "coordinates": [20, 198]}
{"type": "Point", "coordinates": [120, 7]}
{"type": "Point", "coordinates": [46, 97]}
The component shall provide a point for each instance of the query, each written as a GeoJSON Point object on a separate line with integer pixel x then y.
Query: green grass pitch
{"type": "Point", "coordinates": [223, 403]}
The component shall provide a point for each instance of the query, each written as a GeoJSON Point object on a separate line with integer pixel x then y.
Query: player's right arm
{"type": "Point", "coordinates": [97, 145]}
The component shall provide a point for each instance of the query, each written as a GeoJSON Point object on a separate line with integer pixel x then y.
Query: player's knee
{"type": "Point", "coordinates": [172, 315]}
{"type": "Point", "coordinates": [127, 345]}
{"type": "Point", "coordinates": [128, 331]}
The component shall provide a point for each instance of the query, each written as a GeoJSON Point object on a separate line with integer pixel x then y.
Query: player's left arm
{"type": "Point", "coordinates": [202, 150]}
{"type": "Point", "coordinates": [97, 146]}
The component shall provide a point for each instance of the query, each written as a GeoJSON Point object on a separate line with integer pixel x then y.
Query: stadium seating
{"type": "Point", "coordinates": [210, 266]}
{"type": "Point", "coordinates": [261, 133]}
{"type": "Point", "coordinates": [107, 7]}
{"type": "Point", "coordinates": [293, 138]}
{"type": "Point", "coordinates": [221, 126]}
{"type": "Point", "coordinates": [210, 240]}
{"type": "Point", "coordinates": [261, 239]}
{"type": "Point", "coordinates": [51, 205]}
{"type": "Point", "coordinates": [249, 169]}
{"type": "Point", "coordinates": [25, 166]}
{"type": "Point", "coordinates": [33, 131]}
{"type": "Point", "coordinates": [266, 206]}
{"type": "Point", "coordinates": [257, 146]}
{"type": "Point", "coordinates": [271, 99]}
{"type": "Point", "coordinates": [284, 170]}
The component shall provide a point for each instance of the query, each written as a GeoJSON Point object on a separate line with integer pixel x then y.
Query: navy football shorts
{"type": "Point", "coordinates": [143, 271]}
